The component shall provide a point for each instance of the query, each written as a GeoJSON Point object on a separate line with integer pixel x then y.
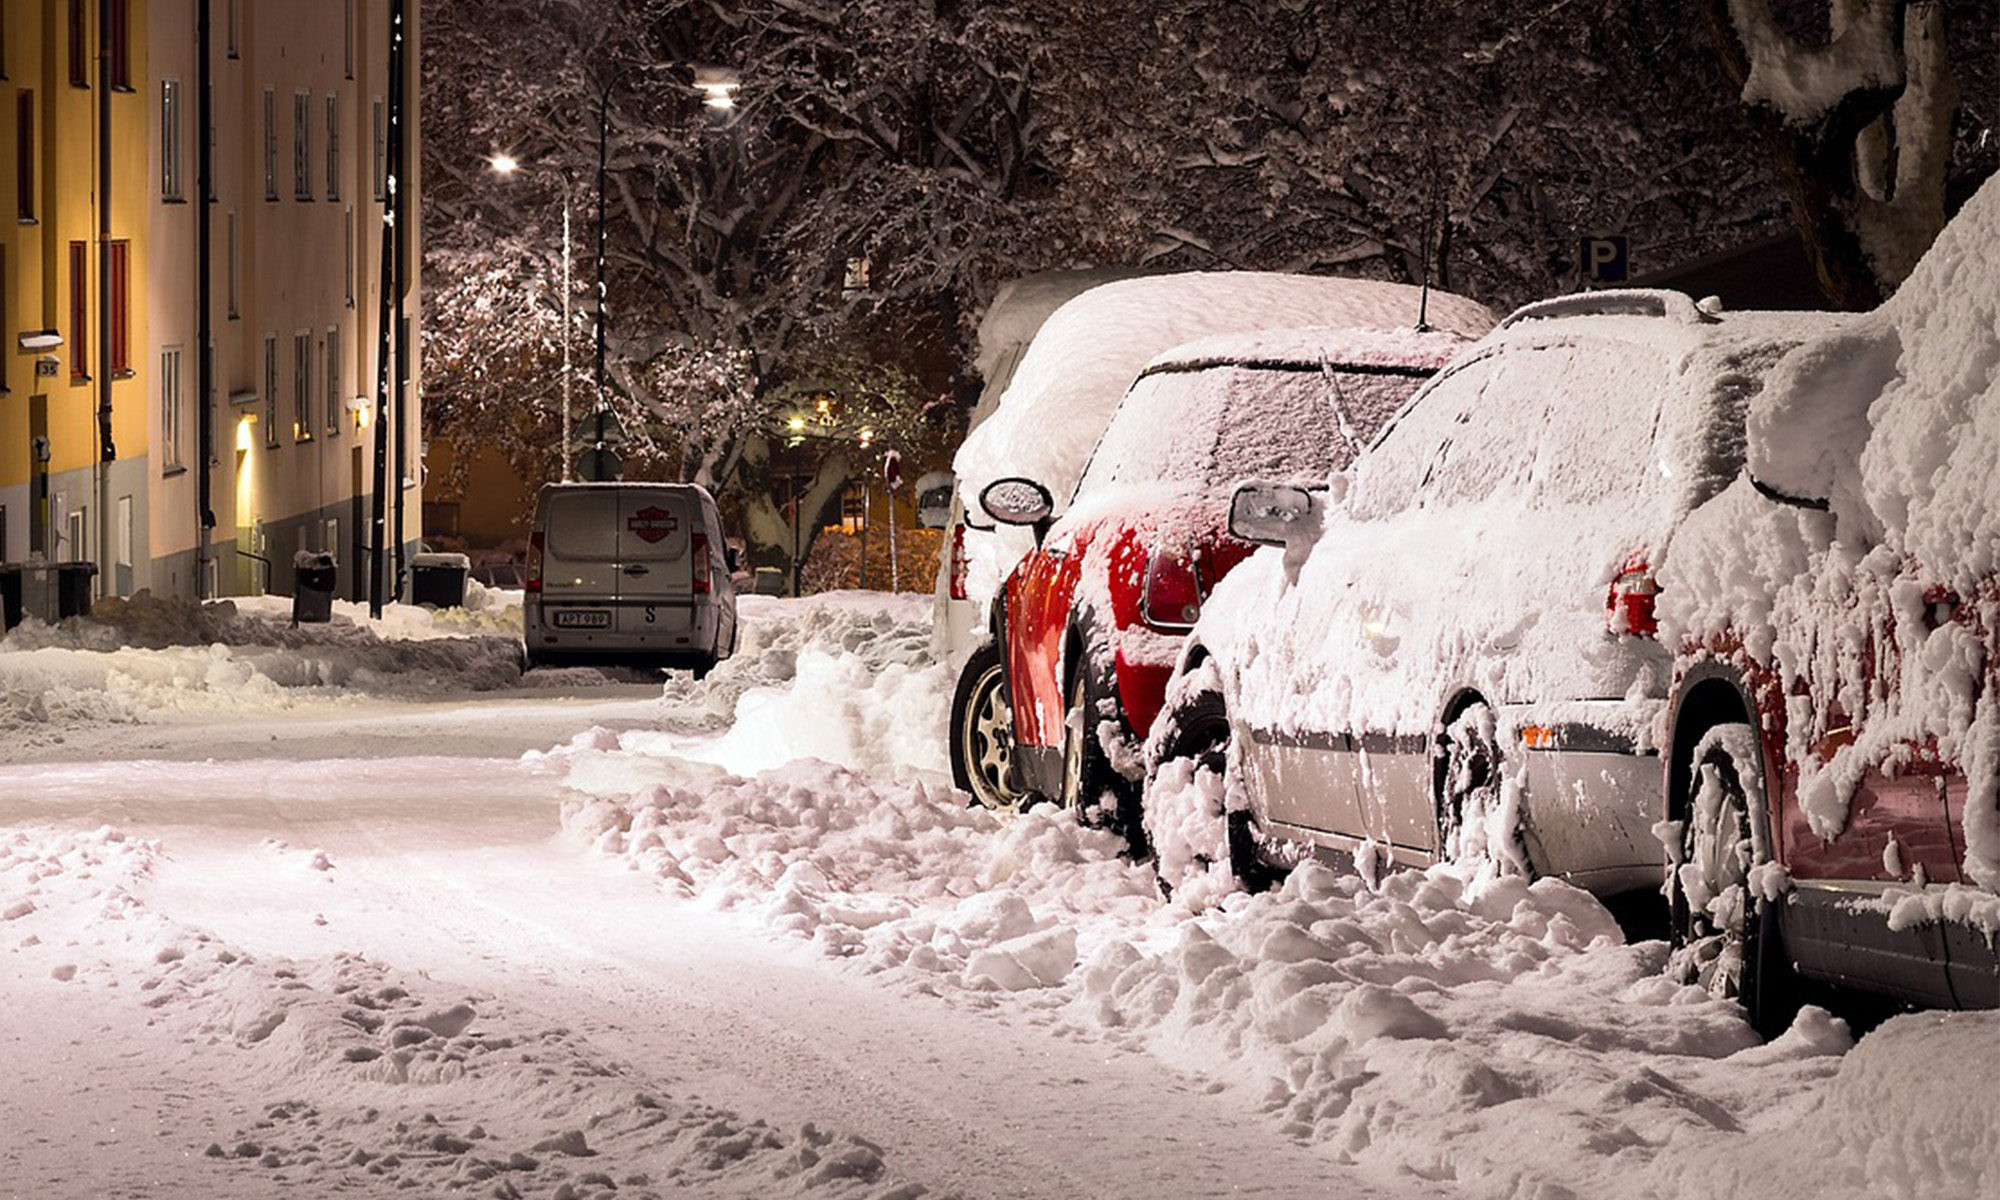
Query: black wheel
{"type": "Point", "coordinates": [982, 732]}
{"type": "Point", "coordinates": [1091, 787]}
{"type": "Point", "coordinates": [1470, 774]}
{"type": "Point", "coordinates": [1186, 814]}
{"type": "Point", "coordinates": [1725, 938]}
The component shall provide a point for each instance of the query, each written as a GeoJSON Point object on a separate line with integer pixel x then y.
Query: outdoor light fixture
{"type": "Point", "coordinates": [41, 339]}
{"type": "Point", "coordinates": [796, 424]}
{"type": "Point", "coordinates": [359, 407]}
{"type": "Point", "coordinates": [718, 86]}
{"type": "Point", "coordinates": [243, 439]}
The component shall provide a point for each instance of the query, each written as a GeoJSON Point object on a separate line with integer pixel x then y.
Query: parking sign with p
{"type": "Point", "coordinates": [1604, 258]}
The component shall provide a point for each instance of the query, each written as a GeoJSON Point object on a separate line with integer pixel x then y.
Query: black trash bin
{"type": "Point", "coordinates": [313, 578]}
{"type": "Point", "coordinates": [438, 580]}
{"type": "Point", "coordinates": [10, 596]}
{"type": "Point", "coordinates": [72, 588]}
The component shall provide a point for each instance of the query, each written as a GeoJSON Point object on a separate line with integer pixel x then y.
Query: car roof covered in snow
{"type": "Point", "coordinates": [1089, 351]}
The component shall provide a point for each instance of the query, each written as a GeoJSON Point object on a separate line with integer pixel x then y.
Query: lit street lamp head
{"type": "Point", "coordinates": [504, 164]}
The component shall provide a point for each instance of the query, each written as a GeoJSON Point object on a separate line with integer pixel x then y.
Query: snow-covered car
{"type": "Point", "coordinates": [1834, 745]}
{"type": "Point", "coordinates": [1062, 386]}
{"type": "Point", "coordinates": [1090, 622]}
{"type": "Point", "coordinates": [1451, 653]}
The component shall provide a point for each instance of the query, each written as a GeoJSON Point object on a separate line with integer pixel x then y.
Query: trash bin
{"type": "Point", "coordinates": [768, 581]}
{"type": "Point", "coordinates": [438, 580]}
{"type": "Point", "coordinates": [10, 596]}
{"type": "Point", "coordinates": [313, 579]}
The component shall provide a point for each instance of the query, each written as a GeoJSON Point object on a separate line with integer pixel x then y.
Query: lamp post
{"type": "Point", "coordinates": [505, 165]}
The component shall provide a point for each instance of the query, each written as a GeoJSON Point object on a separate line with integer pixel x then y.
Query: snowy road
{"type": "Point", "coordinates": [396, 927]}
{"type": "Point", "coordinates": [450, 867]}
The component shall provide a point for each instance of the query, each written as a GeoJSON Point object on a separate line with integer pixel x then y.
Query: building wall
{"type": "Point", "coordinates": [74, 500]}
{"type": "Point", "coordinates": [295, 271]}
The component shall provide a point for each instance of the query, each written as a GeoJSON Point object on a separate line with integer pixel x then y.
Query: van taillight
{"type": "Point", "coordinates": [1628, 604]}
{"type": "Point", "coordinates": [1172, 599]}
{"type": "Point", "coordinates": [960, 568]}
{"type": "Point", "coordinates": [699, 553]}
{"type": "Point", "coordinates": [534, 580]}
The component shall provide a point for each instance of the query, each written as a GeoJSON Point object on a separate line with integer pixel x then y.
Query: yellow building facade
{"type": "Point", "coordinates": [110, 451]}
{"type": "Point", "coordinates": [73, 153]}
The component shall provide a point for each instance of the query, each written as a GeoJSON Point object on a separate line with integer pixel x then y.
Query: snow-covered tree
{"type": "Point", "coordinates": [1859, 110]}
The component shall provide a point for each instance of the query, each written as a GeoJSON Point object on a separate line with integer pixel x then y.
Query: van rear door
{"type": "Point", "coordinates": [656, 585]}
{"type": "Point", "coordinates": [580, 557]}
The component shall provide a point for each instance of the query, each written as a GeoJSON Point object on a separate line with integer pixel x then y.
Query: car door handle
{"type": "Point", "coordinates": [636, 569]}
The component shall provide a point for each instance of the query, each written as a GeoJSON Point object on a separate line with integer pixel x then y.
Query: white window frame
{"type": "Point", "coordinates": [173, 417]}
{"type": "Point", "coordinates": [271, 391]}
{"type": "Point", "coordinates": [235, 265]}
{"type": "Point", "coordinates": [333, 145]}
{"type": "Point", "coordinates": [334, 369]}
{"type": "Point", "coordinates": [381, 151]}
{"type": "Point", "coordinates": [270, 143]}
{"type": "Point", "coordinates": [170, 140]}
{"type": "Point", "coordinates": [302, 386]}
{"type": "Point", "coordinates": [302, 141]}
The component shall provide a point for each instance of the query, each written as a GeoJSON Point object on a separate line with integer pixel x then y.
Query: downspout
{"type": "Point", "coordinates": [107, 452]}
{"type": "Point", "coordinates": [388, 307]}
{"type": "Point", "coordinates": [398, 196]}
{"type": "Point", "coordinates": [204, 327]}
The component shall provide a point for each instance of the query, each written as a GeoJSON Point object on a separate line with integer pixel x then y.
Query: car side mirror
{"type": "Point", "coordinates": [1019, 501]}
{"type": "Point", "coordinates": [1274, 514]}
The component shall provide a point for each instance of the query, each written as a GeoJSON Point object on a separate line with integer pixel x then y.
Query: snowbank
{"type": "Point", "coordinates": [146, 658]}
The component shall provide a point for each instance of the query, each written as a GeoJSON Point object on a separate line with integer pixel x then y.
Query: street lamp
{"type": "Point", "coordinates": [505, 165]}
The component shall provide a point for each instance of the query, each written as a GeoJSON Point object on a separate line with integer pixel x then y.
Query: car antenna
{"type": "Point", "coordinates": [1430, 233]}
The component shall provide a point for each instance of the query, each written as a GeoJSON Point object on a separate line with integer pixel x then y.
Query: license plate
{"type": "Point", "coordinates": [583, 618]}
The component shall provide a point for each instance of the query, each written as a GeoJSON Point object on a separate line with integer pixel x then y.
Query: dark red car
{"type": "Point", "coordinates": [1089, 624]}
{"type": "Point", "coordinates": [1833, 772]}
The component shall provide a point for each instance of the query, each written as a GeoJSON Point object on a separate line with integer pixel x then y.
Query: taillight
{"type": "Point", "coordinates": [960, 568]}
{"type": "Point", "coordinates": [699, 552]}
{"type": "Point", "coordinates": [1172, 599]}
{"type": "Point", "coordinates": [1628, 604]}
{"type": "Point", "coordinates": [534, 580]}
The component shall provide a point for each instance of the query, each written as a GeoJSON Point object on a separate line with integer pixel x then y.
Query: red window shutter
{"type": "Point", "coordinates": [79, 310]}
{"type": "Point", "coordinates": [121, 294]}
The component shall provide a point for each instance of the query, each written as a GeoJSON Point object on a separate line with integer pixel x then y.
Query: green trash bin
{"type": "Point", "coordinates": [438, 580]}
{"type": "Point", "coordinates": [313, 578]}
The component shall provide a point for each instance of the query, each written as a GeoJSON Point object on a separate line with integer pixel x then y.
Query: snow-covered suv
{"type": "Point", "coordinates": [1090, 622]}
{"type": "Point", "coordinates": [1451, 653]}
{"type": "Point", "coordinates": [1833, 792]}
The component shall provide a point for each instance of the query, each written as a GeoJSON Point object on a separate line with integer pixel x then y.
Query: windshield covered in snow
{"type": "Point", "coordinates": [1217, 423]}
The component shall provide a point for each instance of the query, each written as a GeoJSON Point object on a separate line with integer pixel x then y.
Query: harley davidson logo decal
{"type": "Point", "coordinates": [653, 524]}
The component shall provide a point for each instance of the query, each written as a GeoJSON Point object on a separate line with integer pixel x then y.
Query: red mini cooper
{"type": "Point", "coordinates": [1089, 624]}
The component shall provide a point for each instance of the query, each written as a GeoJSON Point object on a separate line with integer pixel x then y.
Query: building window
{"type": "Point", "coordinates": [270, 143]}
{"type": "Point", "coordinates": [4, 358]}
{"type": "Point", "coordinates": [347, 25]}
{"type": "Point", "coordinates": [302, 385]}
{"type": "Point", "coordinates": [172, 417]}
{"type": "Point", "coordinates": [119, 260]}
{"type": "Point", "coordinates": [235, 266]}
{"type": "Point", "coordinates": [170, 140]}
{"type": "Point", "coordinates": [333, 366]}
{"type": "Point", "coordinates": [24, 152]}
{"type": "Point", "coordinates": [302, 138]}
{"type": "Point", "coordinates": [79, 45]}
{"type": "Point", "coordinates": [208, 135]}
{"type": "Point", "coordinates": [332, 147]}
{"type": "Point", "coordinates": [79, 311]}
{"type": "Point", "coordinates": [271, 389]}
{"type": "Point", "coordinates": [120, 44]}
{"type": "Point", "coordinates": [381, 153]}
{"type": "Point", "coordinates": [349, 256]}
{"type": "Point", "coordinates": [235, 28]}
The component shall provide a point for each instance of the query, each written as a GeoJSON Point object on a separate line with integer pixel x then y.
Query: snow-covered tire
{"type": "Point", "coordinates": [1724, 935]}
{"type": "Point", "coordinates": [1476, 820]}
{"type": "Point", "coordinates": [982, 732]}
{"type": "Point", "coordinates": [1091, 787]}
{"type": "Point", "coordinates": [1201, 848]}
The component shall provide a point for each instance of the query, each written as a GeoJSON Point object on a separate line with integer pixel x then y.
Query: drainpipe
{"type": "Point", "coordinates": [107, 452]}
{"type": "Point", "coordinates": [204, 326]}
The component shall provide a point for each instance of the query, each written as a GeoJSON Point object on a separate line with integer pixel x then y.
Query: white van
{"type": "Point", "coordinates": [628, 573]}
